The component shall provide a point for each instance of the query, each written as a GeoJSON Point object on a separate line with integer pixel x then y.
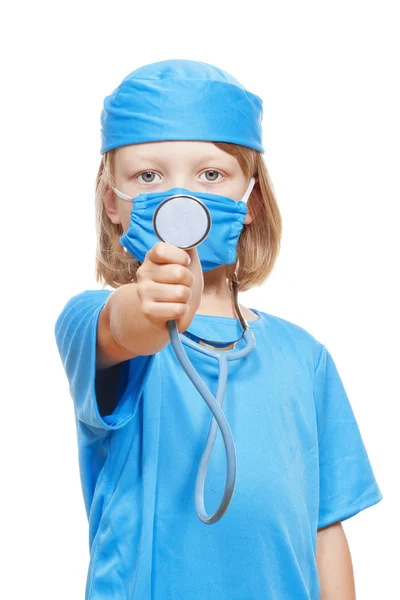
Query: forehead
{"type": "Point", "coordinates": [172, 152]}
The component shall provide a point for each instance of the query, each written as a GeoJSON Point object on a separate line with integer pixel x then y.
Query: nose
{"type": "Point", "coordinates": [180, 183]}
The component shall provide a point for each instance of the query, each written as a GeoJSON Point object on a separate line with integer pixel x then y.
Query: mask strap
{"type": "Point", "coordinates": [244, 199]}
{"type": "Point", "coordinates": [248, 190]}
{"type": "Point", "coordinates": [121, 195]}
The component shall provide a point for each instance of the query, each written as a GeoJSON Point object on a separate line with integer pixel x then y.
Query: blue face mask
{"type": "Point", "coordinates": [219, 248]}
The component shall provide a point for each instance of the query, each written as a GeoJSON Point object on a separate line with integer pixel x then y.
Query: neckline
{"type": "Point", "coordinates": [233, 321]}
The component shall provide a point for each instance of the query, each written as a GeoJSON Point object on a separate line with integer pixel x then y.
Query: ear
{"type": "Point", "coordinates": [110, 205]}
{"type": "Point", "coordinates": [248, 218]}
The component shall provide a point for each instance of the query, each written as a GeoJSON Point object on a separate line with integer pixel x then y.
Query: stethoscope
{"type": "Point", "coordinates": [170, 223]}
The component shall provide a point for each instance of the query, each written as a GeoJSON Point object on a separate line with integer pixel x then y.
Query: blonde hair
{"type": "Point", "coordinates": [258, 245]}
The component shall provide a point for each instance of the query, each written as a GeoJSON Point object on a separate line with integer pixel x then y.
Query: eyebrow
{"type": "Point", "coordinates": [130, 162]}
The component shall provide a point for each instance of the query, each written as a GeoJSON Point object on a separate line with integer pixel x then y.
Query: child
{"type": "Point", "coordinates": [141, 424]}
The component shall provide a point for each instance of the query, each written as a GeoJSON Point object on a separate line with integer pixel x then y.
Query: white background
{"type": "Point", "coordinates": [328, 73]}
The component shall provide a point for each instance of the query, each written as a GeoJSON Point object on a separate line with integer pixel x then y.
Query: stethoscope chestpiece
{"type": "Point", "coordinates": [182, 220]}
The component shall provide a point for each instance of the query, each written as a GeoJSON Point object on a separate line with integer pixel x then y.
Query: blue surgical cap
{"type": "Point", "coordinates": [181, 100]}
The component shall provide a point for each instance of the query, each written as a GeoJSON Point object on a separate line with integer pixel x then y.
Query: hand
{"type": "Point", "coordinates": [168, 287]}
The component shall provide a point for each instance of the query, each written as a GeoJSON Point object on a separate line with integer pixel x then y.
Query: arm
{"type": "Point", "coordinates": [134, 320]}
{"type": "Point", "coordinates": [124, 331]}
{"type": "Point", "coordinates": [334, 564]}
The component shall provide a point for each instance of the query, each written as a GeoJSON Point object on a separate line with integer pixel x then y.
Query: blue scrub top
{"type": "Point", "coordinates": [141, 431]}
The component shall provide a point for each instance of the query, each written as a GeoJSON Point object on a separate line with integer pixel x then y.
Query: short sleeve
{"type": "Point", "coordinates": [76, 338]}
{"type": "Point", "coordinates": [347, 481]}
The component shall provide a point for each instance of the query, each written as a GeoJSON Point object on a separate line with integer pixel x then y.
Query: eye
{"type": "Point", "coordinates": [213, 174]}
{"type": "Point", "coordinates": [148, 176]}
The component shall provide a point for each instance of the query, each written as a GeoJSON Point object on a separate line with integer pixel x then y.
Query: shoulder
{"type": "Point", "coordinates": [292, 337]}
{"type": "Point", "coordinates": [80, 307]}
{"type": "Point", "coordinates": [86, 299]}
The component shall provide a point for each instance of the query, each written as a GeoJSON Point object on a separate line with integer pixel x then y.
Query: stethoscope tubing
{"type": "Point", "coordinates": [215, 405]}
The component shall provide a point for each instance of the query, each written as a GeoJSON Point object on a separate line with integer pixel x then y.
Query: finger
{"type": "Point", "coordinates": [166, 310]}
{"type": "Point", "coordinates": [162, 253]}
{"type": "Point", "coordinates": [168, 273]}
{"type": "Point", "coordinates": [161, 292]}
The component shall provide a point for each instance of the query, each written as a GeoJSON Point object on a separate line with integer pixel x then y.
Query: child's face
{"type": "Point", "coordinates": [160, 166]}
